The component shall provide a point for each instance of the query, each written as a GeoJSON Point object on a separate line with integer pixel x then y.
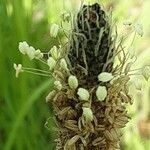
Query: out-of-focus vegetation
{"type": "Point", "coordinates": [23, 111]}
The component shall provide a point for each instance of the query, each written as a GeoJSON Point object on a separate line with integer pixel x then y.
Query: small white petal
{"type": "Point", "coordinates": [54, 30]}
{"type": "Point", "coordinates": [58, 85]}
{"type": "Point", "coordinates": [18, 69]}
{"type": "Point", "coordinates": [51, 63]}
{"type": "Point", "coordinates": [31, 52]}
{"type": "Point", "coordinates": [83, 94]}
{"type": "Point", "coordinates": [87, 113]}
{"type": "Point", "coordinates": [73, 82]}
{"type": "Point", "coordinates": [23, 47]}
{"type": "Point", "coordinates": [101, 93]}
{"type": "Point", "coordinates": [55, 53]}
{"type": "Point", "coordinates": [146, 72]}
{"type": "Point", "coordinates": [105, 76]}
{"type": "Point", "coordinates": [63, 64]}
{"type": "Point", "coordinates": [38, 54]}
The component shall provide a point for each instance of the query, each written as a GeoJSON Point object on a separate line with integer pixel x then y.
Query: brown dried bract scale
{"type": "Point", "coordinates": [91, 52]}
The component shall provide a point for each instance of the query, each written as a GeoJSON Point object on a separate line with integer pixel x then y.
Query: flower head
{"type": "Point", "coordinates": [23, 47]}
{"type": "Point", "coordinates": [55, 53]}
{"type": "Point", "coordinates": [73, 82]}
{"type": "Point", "coordinates": [31, 52]}
{"type": "Point", "coordinates": [105, 77]}
{"type": "Point", "coordinates": [83, 94]}
{"type": "Point", "coordinates": [87, 113]}
{"type": "Point", "coordinates": [51, 63]}
{"type": "Point", "coordinates": [38, 54]}
{"type": "Point", "coordinates": [18, 69]}
{"type": "Point", "coordinates": [63, 64]}
{"type": "Point", "coordinates": [101, 93]}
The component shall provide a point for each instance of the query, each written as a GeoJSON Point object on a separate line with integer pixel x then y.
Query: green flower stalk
{"type": "Point", "coordinates": [91, 91]}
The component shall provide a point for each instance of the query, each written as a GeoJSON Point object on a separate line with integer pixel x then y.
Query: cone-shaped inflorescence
{"type": "Point", "coordinates": [91, 44]}
{"type": "Point", "coordinates": [90, 110]}
{"type": "Point", "coordinates": [90, 93]}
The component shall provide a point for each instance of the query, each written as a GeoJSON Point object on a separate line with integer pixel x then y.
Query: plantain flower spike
{"type": "Point", "coordinates": [91, 92]}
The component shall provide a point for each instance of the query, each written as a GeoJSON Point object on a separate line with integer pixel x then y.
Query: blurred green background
{"type": "Point", "coordinates": [23, 111]}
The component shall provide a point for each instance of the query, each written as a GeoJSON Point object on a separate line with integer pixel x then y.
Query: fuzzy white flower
{"type": "Point", "coordinates": [105, 77]}
{"type": "Point", "coordinates": [31, 52]}
{"type": "Point", "coordinates": [38, 54]}
{"type": "Point", "coordinates": [83, 94]}
{"type": "Point", "coordinates": [55, 53]}
{"type": "Point", "coordinates": [23, 47]}
{"type": "Point", "coordinates": [88, 114]}
{"type": "Point", "coordinates": [58, 85]}
{"type": "Point", "coordinates": [63, 64]}
{"type": "Point", "coordinates": [54, 30]}
{"type": "Point", "coordinates": [51, 63]}
{"type": "Point", "coordinates": [101, 93]}
{"type": "Point", "coordinates": [73, 82]}
{"type": "Point", "coordinates": [18, 69]}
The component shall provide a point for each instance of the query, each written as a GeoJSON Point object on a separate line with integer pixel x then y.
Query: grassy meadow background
{"type": "Point", "coordinates": [23, 111]}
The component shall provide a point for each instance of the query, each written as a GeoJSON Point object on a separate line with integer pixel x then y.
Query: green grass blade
{"type": "Point", "coordinates": [23, 112]}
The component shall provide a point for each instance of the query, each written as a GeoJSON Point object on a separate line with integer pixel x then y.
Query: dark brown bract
{"type": "Point", "coordinates": [91, 45]}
